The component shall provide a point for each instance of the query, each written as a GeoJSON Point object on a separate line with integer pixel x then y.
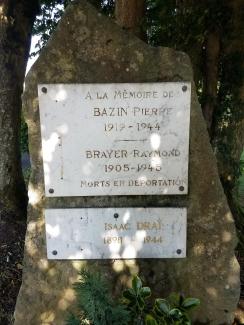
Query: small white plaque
{"type": "Point", "coordinates": [115, 139]}
{"type": "Point", "coordinates": [116, 233]}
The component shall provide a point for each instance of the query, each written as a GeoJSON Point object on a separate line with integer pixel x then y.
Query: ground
{"type": "Point", "coordinates": [240, 309]}
{"type": "Point", "coordinates": [11, 255]}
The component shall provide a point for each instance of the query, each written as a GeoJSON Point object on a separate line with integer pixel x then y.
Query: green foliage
{"type": "Point", "coordinates": [47, 20]}
{"type": "Point", "coordinates": [169, 24]}
{"type": "Point", "coordinates": [95, 304]}
{"type": "Point", "coordinates": [26, 175]}
{"type": "Point", "coordinates": [173, 310]}
{"type": "Point", "coordinates": [73, 320]}
{"type": "Point", "coordinates": [228, 114]}
{"type": "Point", "coordinates": [239, 188]}
{"type": "Point", "coordinates": [242, 163]}
{"type": "Point", "coordinates": [50, 13]}
{"type": "Point", "coordinates": [182, 24]}
{"type": "Point", "coordinates": [238, 194]}
{"type": "Point", "coordinates": [135, 299]}
{"type": "Point", "coordinates": [97, 307]}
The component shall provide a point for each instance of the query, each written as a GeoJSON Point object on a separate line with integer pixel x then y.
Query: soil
{"type": "Point", "coordinates": [12, 235]}
{"type": "Point", "coordinates": [239, 314]}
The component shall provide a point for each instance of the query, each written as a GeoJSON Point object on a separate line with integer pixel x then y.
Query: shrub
{"type": "Point", "coordinates": [96, 306]}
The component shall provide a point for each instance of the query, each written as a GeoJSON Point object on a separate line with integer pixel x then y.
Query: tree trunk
{"type": "Point", "coordinates": [129, 15]}
{"type": "Point", "coordinates": [212, 53]}
{"type": "Point", "coordinates": [16, 22]}
{"type": "Point", "coordinates": [236, 38]}
{"type": "Point", "coordinates": [229, 137]}
{"type": "Point", "coordinates": [234, 47]}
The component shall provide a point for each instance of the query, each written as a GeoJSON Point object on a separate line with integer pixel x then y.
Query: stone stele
{"type": "Point", "coordinates": [90, 48]}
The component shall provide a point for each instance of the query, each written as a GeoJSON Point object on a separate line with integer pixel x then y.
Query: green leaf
{"type": "Point", "coordinates": [158, 312]}
{"type": "Point", "coordinates": [185, 320]}
{"type": "Point", "coordinates": [239, 193]}
{"type": "Point", "coordinates": [189, 303]}
{"type": "Point", "coordinates": [145, 292]}
{"type": "Point", "coordinates": [136, 284]}
{"type": "Point", "coordinates": [150, 320]}
{"type": "Point", "coordinates": [162, 306]}
{"type": "Point", "coordinates": [129, 294]}
{"type": "Point", "coordinates": [141, 302]}
{"type": "Point", "coordinates": [242, 162]}
{"type": "Point", "coordinates": [175, 313]}
{"type": "Point", "coordinates": [239, 186]}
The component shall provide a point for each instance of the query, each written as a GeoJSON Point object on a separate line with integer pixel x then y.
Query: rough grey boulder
{"type": "Point", "coordinates": [90, 48]}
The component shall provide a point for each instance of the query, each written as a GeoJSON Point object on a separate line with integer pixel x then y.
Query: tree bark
{"type": "Point", "coordinates": [129, 15]}
{"type": "Point", "coordinates": [212, 53]}
{"type": "Point", "coordinates": [236, 46]}
{"type": "Point", "coordinates": [231, 135]}
{"type": "Point", "coordinates": [16, 22]}
{"type": "Point", "coordinates": [238, 41]}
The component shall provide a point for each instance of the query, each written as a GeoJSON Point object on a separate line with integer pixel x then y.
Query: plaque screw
{"type": "Point", "coordinates": [178, 251]}
{"type": "Point", "coordinates": [116, 215]}
{"type": "Point", "coordinates": [54, 252]}
{"type": "Point", "coordinates": [51, 190]}
{"type": "Point", "coordinates": [184, 88]}
{"type": "Point", "coordinates": [181, 188]}
{"type": "Point", "coordinates": [44, 90]}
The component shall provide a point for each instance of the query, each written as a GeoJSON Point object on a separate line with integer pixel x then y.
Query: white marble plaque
{"type": "Point", "coordinates": [116, 233]}
{"type": "Point", "coordinates": [115, 139]}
